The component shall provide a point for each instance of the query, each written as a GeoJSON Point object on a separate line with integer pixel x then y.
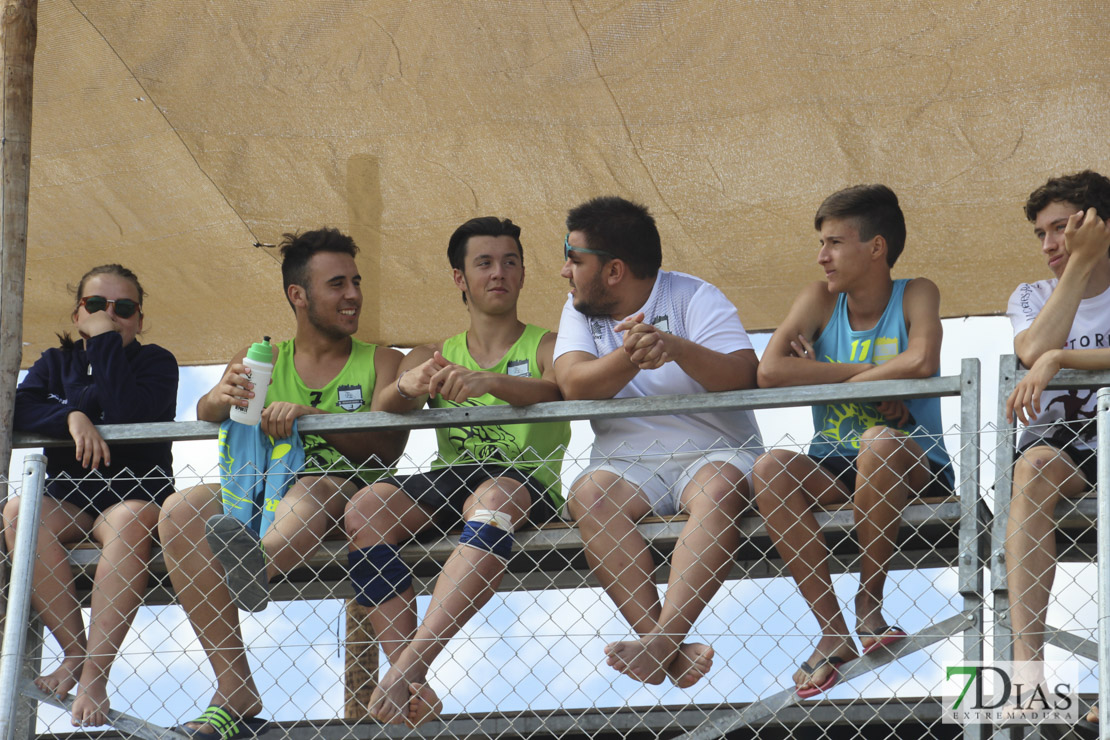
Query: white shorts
{"type": "Point", "coordinates": [663, 478]}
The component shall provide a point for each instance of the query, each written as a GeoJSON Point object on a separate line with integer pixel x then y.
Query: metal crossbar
{"type": "Point", "coordinates": [759, 398]}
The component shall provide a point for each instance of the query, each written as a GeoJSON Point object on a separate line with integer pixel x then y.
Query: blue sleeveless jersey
{"type": "Point", "coordinates": [837, 427]}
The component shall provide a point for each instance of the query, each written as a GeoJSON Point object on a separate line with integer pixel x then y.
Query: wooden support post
{"type": "Point", "coordinates": [360, 662]}
{"type": "Point", "coordinates": [18, 35]}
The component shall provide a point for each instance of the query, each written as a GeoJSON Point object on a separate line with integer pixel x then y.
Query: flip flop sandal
{"type": "Point", "coordinates": [882, 637]}
{"type": "Point", "coordinates": [239, 551]}
{"type": "Point", "coordinates": [227, 726]}
{"type": "Point", "coordinates": [834, 675]}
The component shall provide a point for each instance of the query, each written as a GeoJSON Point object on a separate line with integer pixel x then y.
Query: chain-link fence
{"type": "Point", "coordinates": [754, 594]}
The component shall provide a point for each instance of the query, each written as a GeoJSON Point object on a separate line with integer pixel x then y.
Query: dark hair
{"type": "Point", "coordinates": [482, 226]}
{"type": "Point", "coordinates": [876, 211]}
{"type": "Point", "coordinates": [298, 249]}
{"type": "Point", "coordinates": [79, 292]}
{"type": "Point", "coordinates": [623, 229]}
{"type": "Point", "coordinates": [1086, 189]}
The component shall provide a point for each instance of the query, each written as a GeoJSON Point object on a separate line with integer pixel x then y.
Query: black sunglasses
{"type": "Point", "coordinates": [125, 308]}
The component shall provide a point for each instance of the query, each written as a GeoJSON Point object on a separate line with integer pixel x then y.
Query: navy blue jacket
{"type": "Point", "coordinates": [111, 384]}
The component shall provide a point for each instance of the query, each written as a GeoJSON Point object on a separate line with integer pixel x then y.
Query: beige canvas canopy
{"type": "Point", "coordinates": [178, 137]}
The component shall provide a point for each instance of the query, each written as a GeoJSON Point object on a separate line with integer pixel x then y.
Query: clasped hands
{"type": "Point", "coordinates": [647, 347]}
{"type": "Point", "coordinates": [451, 382]}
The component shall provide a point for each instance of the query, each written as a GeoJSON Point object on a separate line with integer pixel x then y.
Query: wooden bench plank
{"type": "Point", "coordinates": [552, 556]}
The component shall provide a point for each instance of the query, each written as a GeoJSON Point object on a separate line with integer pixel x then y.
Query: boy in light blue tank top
{"type": "Point", "coordinates": [491, 479]}
{"type": "Point", "coordinates": [856, 325]}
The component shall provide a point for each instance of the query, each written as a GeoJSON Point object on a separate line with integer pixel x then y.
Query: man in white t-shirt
{"type": "Point", "coordinates": [1063, 322]}
{"type": "Point", "coordinates": [630, 330]}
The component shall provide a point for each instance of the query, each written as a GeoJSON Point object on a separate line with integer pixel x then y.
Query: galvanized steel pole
{"type": "Point", "coordinates": [1102, 532]}
{"type": "Point", "coordinates": [19, 594]}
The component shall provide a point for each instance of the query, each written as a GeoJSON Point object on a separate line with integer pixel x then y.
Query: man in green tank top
{"type": "Point", "coordinates": [214, 561]}
{"type": "Point", "coordinates": [493, 479]}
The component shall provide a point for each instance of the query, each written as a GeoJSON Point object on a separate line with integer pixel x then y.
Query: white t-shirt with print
{"type": "Point", "coordinates": [1067, 417]}
{"type": "Point", "coordinates": [687, 307]}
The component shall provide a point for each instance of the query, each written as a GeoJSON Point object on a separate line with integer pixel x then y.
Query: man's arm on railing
{"type": "Point", "coordinates": [788, 359]}
{"type": "Point", "coordinates": [582, 376]}
{"type": "Point", "coordinates": [921, 357]}
{"type": "Point", "coordinates": [1024, 404]}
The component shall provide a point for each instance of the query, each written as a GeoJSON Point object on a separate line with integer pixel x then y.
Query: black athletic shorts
{"type": "Point", "coordinates": [444, 491]}
{"type": "Point", "coordinates": [344, 475]}
{"type": "Point", "coordinates": [96, 493]}
{"type": "Point", "coordinates": [941, 482]}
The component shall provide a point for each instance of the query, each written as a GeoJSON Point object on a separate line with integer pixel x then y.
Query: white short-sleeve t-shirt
{"type": "Point", "coordinates": [1067, 418]}
{"type": "Point", "coordinates": [687, 307]}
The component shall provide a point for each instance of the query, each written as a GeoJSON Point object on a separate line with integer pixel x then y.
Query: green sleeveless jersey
{"type": "Point", "coordinates": [536, 449]}
{"type": "Point", "coordinates": [351, 390]}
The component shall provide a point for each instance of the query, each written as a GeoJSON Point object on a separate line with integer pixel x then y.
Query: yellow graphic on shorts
{"type": "Point", "coordinates": [845, 422]}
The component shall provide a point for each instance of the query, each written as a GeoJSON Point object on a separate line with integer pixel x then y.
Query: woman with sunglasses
{"type": "Point", "coordinates": [105, 376]}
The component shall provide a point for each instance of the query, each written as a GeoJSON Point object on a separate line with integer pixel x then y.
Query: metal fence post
{"type": "Point", "coordinates": [19, 594]}
{"type": "Point", "coordinates": [1004, 453]}
{"type": "Point", "coordinates": [1102, 533]}
{"type": "Point", "coordinates": [971, 526]}
{"type": "Point", "coordinates": [27, 710]}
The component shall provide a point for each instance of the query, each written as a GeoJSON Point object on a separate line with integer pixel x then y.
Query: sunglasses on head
{"type": "Point", "coordinates": [567, 249]}
{"type": "Point", "coordinates": [125, 308]}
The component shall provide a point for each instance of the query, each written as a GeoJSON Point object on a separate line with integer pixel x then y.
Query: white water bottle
{"type": "Point", "coordinates": [260, 361]}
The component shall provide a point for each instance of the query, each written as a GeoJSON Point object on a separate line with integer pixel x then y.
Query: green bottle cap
{"type": "Point", "coordinates": [261, 351]}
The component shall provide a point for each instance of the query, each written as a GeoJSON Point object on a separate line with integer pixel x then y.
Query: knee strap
{"type": "Point", "coordinates": [491, 531]}
{"type": "Point", "coordinates": [378, 574]}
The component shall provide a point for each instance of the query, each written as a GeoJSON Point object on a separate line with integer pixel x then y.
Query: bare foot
{"type": "Point", "coordinates": [692, 661]}
{"type": "Point", "coordinates": [869, 611]}
{"type": "Point", "coordinates": [63, 678]}
{"type": "Point", "coordinates": [90, 707]}
{"type": "Point", "coordinates": [643, 659]}
{"type": "Point", "coordinates": [827, 647]}
{"type": "Point", "coordinates": [872, 638]}
{"type": "Point", "coordinates": [390, 702]}
{"type": "Point", "coordinates": [424, 706]}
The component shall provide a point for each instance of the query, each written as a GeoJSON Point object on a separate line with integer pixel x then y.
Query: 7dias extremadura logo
{"type": "Point", "coordinates": [1005, 693]}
